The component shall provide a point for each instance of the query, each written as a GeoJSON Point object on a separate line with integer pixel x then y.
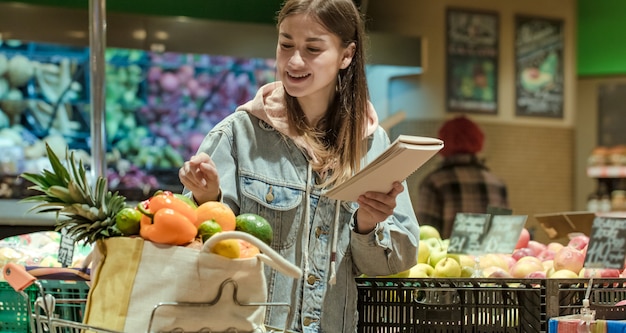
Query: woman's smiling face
{"type": "Point", "coordinates": [308, 57]}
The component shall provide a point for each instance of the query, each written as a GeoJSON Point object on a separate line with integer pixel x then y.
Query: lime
{"type": "Point", "coordinates": [208, 229]}
{"type": "Point", "coordinates": [228, 248]}
{"type": "Point", "coordinates": [127, 221]}
{"type": "Point", "coordinates": [255, 225]}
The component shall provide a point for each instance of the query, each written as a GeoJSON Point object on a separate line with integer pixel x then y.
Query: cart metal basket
{"type": "Point", "coordinates": [43, 319]}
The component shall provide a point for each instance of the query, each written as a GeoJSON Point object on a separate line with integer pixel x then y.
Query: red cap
{"type": "Point", "coordinates": [461, 135]}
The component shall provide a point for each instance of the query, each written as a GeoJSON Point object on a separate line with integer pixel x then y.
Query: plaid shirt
{"type": "Point", "coordinates": [461, 184]}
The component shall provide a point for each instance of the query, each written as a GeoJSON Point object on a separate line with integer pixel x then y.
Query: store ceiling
{"type": "Point", "coordinates": [252, 11]}
{"type": "Point", "coordinates": [132, 28]}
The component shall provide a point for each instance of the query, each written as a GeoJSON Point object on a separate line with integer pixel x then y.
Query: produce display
{"type": "Point", "coordinates": [530, 259]}
{"type": "Point", "coordinates": [93, 213]}
{"type": "Point", "coordinates": [38, 249]}
{"type": "Point", "coordinates": [158, 107]}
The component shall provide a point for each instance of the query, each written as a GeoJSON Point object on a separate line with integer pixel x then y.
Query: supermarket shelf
{"type": "Point", "coordinates": [606, 172]}
{"type": "Point", "coordinates": [16, 219]}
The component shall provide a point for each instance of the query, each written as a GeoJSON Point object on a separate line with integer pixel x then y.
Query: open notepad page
{"type": "Point", "coordinates": [405, 155]}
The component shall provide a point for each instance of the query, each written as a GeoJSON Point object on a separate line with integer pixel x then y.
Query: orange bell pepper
{"type": "Point", "coordinates": [167, 219]}
{"type": "Point", "coordinates": [168, 227]}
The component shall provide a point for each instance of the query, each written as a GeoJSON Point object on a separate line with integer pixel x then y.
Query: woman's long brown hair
{"type": "Point", "coordinates": [339, 140]}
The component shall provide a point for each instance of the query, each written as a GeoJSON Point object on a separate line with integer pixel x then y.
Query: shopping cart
{"type": "Point", "coordinates": [42, 317]}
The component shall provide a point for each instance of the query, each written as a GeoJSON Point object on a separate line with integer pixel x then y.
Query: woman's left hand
{"type": "Point", "coordinates": [375, 207]}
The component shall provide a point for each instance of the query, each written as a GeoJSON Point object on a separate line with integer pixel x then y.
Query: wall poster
{"type": "Point", "coordinates": [539, 66]}
{"type": "Point", "coordinates": [472, 61]}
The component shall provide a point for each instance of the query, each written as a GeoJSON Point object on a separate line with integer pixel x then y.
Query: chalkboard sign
{"type": "Point", "coordinates": [499, 210]}
{"type": "Point", "coordinates": [503, 233]}
{"type": "Point", "coordinates": [467, 233]}
{"type": "Point", "coordinates": [607, 243]}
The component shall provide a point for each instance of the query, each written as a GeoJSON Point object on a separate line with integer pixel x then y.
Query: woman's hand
{"type": "Point", "coordinates": [375, 207]}
{"type": "Point", "coordinates": [199, 175]}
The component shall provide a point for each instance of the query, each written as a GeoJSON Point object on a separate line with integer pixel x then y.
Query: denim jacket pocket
{"type": "Point", "coordinates": [275, 202]}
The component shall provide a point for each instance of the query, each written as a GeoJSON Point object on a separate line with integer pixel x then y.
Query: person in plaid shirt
{"type": "Point", "coordinates": [461, 183]}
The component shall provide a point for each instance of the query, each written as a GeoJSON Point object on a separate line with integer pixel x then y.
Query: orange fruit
{"type": "Point", "coordinates": [218, 212]}
{"type": "Point", "coordinates": [247, 250]}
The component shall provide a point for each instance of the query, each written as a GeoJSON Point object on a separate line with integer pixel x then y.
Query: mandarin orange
{"type": "Point", "coordinates": [218, 212]}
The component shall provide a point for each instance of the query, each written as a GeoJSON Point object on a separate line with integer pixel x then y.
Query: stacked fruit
{"type": "Point", "coordinates": [530, 259]}
{"type": "Point", "coordinates": [174, 219]}
{"type": "Point", "coordinates": [95, 213]}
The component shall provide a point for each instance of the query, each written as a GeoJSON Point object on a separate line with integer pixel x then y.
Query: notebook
{"type": "Point", "coordinates": [403, 157]}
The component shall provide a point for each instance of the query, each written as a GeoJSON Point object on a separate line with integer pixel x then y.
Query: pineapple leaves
{"type": "Point", "coordinates": [60, 172]}
{"type": "Point", "coordinates": [101, 186]}
{"type": "Point", "coordinates": [85, 213]}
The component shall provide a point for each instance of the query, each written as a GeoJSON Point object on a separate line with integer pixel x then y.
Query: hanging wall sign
{"type": "Point", "coordinates": [539, 66]}
{"type": "Point", "coordinates": [472, 61]}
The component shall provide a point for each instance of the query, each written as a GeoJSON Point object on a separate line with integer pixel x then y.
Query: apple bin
{"type": "Point", "coordinates": [437, 305]}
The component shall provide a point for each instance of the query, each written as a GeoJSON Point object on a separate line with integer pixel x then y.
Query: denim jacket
{"type": "Point", "coordinates": [263, 172]}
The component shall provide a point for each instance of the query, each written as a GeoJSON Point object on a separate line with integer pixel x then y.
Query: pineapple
{"type": "Point", "coordinates": [90, 212]}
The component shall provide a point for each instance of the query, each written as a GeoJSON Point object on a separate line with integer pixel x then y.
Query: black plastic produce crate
{"type": "Point", "coordinates": [565, 297]}
{"type": "Point", "coordinates": [479, 305]}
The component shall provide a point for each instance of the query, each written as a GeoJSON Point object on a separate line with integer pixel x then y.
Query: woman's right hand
{"type": "Point", "coordinates": [199, 175]}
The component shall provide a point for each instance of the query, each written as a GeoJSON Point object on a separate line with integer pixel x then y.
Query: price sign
{"type": "Point", "coordinates": [607, 243]}
{"type": "Point", "coordinates": [503, 233]}
{"type": "Point", "coordinates": [467, 232]}
{"type": "Point", "coordinates": [499, 211]}
{"type": "Point", "coordinates": [66, 249]}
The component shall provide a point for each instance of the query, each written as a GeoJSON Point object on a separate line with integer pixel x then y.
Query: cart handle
{"type": "Point", "coordinates": [17, 276]}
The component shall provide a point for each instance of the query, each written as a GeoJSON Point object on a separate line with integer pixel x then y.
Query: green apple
{"type": "Point", "coordinates": [455, 256]}
{"type": "Point", "coordinates": [436, 255]}
{"type": "Point", "coordinates": [469, 265]}
{"type": "Point", "coordinates": [435, 244]}
{"type": "Point", "coordinates": [468, 272]}
{"type": "Point", "coordinates": [467, 260]}
{"type": "Point", "coordinates": [445, 242]}
{"type": "Point", "coordinates": [423, 252]}
{"type": "Point", "coordinates": [428, 231]}
{"type": "Point", "coordinates": [447, 268]}
{"type": "Point", "coordinates": [421, 270]}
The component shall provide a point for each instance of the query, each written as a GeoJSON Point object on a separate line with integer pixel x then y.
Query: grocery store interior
{"type": "Point", "coordinates": [543, 156]}
{"type": "Point", "coordinates": [133, 86]}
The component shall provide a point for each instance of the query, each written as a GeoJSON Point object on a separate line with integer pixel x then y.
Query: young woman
{"type": "Point", "coordinates": [279, 153]}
